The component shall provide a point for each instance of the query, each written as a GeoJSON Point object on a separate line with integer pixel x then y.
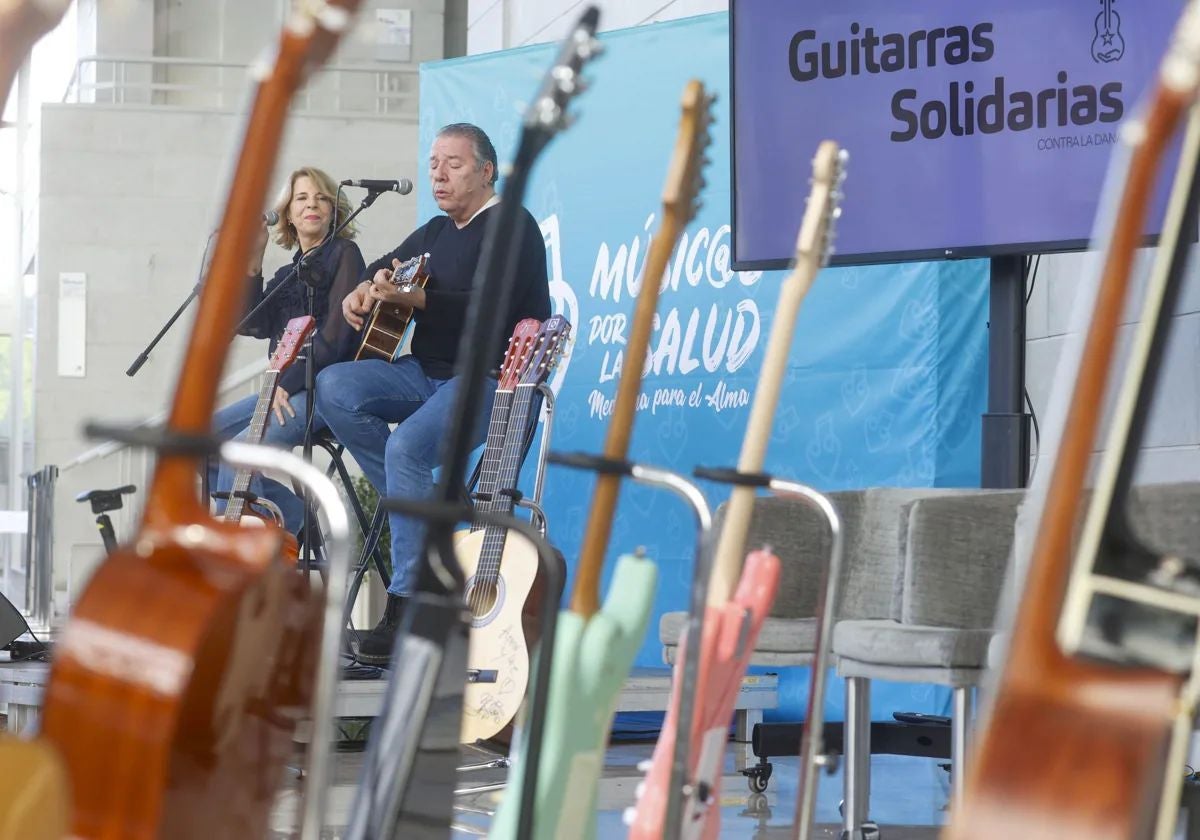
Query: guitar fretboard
{"type": "Point", "coordinates": [236, 505]}
{"type": "Point", "coordinates": [509, 467]}
{"type": "Point", "coordinates": [489, 470]}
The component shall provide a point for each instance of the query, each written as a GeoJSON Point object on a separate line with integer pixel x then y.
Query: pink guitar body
{"type": "Point", "coordinates": [730, 634]}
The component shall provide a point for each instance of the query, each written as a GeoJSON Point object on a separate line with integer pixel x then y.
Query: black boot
{"type": "Point", "coordinates": [375, 648]}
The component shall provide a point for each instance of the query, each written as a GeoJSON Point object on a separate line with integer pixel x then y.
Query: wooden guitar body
{"type": "Point", "coordinates": [730, 634]}
{"type": "Point", "coordinates": [188, 711]}
{"type": "Point", "coordinates": [592, 658]}
{"type": "Point", "coordinates": [36, 801]}
{"type": "Point", "coordinates": [500, 635]}
{"type": "Point", "coordinates": [1113, 723]}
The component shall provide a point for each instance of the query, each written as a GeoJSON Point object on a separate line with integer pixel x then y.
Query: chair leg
{"type": "Point", "coordinates": [856, 783]}
{"type": "Point", "coordinates": [960, 727]}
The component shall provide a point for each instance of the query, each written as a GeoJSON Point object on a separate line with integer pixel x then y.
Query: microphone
{"type": "Point", "coordinates": [270, 218]}
{"type": "Point", "coordinates": [403, 186]}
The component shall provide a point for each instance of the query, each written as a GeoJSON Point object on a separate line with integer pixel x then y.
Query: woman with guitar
{"type": "Point", "coordinates": [306, 212]}
{"type": "Point", "coordinates": [359, 399]}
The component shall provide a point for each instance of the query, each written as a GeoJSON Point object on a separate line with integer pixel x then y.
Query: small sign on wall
{"type": "Point", "coordinates": [72, 323]}
{"type": "Point", "coordinates": [393, 34]}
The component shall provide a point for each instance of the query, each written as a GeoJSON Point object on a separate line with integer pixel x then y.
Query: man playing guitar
{"type": "Point", "coordinates": [359, 399]}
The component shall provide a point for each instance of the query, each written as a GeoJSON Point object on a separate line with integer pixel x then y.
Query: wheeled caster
{"type": "Point", "coordinates": [758, 776]}
{"type": "Point", "coordinates": [867, 831]}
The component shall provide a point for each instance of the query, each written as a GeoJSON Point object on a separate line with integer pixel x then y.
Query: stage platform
{"type": "Point", "coordinates": [647, 690]}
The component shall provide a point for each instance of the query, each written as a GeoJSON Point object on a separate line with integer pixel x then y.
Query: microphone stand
{"type": "Point", "coordinates": [310, 371]}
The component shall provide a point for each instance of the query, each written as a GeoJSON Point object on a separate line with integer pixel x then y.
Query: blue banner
{"type": "Point", "coordinates": [975, 126]}
{"type": "Point", "coordinates": [887, 378]}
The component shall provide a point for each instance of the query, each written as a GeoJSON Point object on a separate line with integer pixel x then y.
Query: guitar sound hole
{"type": "Point", "coordinates": [484, 599]}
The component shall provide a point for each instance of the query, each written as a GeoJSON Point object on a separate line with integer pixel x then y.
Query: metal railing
{"type": "Point", "coordinates": [39, 550]}
{"type": "Point", "coordinates": [365, 90]}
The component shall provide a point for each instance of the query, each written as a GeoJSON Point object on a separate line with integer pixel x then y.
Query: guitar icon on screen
{"type": "Point", "coordinates": [1108, 45]}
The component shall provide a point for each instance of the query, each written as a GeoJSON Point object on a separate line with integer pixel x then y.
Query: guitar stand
{"type": "Point", "coordinates": [102, 502]}
{"type": "Point", "coordinates": [385, 777]}
{"type": "Point", "coordinates": [679, 785]}
{"type": "Point", "coordinates": [810, 738]}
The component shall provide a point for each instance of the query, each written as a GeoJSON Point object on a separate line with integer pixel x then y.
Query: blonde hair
{"type": "Point", "coordinates": [285, 236]}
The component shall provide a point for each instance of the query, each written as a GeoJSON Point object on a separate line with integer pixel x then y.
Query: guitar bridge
{"type": "Point", "coordinates": [481, 675]}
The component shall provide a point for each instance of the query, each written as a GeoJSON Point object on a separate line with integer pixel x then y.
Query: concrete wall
{"type": "Point", "coordinates": [128, 197]}
{"type": "Point", "coordinates": [1171, 445]}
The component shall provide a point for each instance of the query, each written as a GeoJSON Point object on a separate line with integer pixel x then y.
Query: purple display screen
{"type": "Point", "coordinates": [973, 128]}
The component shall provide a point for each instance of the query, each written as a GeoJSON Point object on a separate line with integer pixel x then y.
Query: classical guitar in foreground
{"type": "Point", "coordinates": [739, 597]}
{"type": "Point", "coordinates": [407, 787]}
{"type": "Point", "coordinates": [595, 646]}
{"type": "Point", "coordinates": [1111, 715]}
{"type": "Point", "coordinates": [501, 570]}
{"type": "Point", "coordinates": [181, 673]}
{"type": "Point", "coordinates": [384, 332]}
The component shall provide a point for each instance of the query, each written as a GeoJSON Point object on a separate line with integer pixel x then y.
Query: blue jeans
{"type": "Point", "coordinates": [233, 421]}
{"type": "Point", "coordinates": [358, 400]}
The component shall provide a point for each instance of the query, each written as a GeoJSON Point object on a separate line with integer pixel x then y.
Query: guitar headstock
{"type": "Point", "coordinates": [294, 335]}
{"type": "Point", "coordinates": [552, 340]}
{"type": "Point", "coordinates": [547, 115]}
{"type": "Point", "coordinates": [520, 345]}
{"type": "Point", "coordinates": [818, 230]}
{"type": "Point", "coordinates": [685, 178]}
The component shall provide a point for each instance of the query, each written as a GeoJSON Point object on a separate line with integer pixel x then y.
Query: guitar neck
{"type": "Point", "coordinates": [236, 505]}
{"type": "Point", "coordinates": [507, 474]}
{"type": "Point", "coordinates": [489, 468]}
{"type": "Point", "coordinates": [172, 496]}
{"type": "Point", "coordinates": [736, 525]}
{"type": "Point", "coordinates": [585, 598]}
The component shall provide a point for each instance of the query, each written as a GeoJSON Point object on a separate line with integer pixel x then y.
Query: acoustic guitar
{"type": "Point", "coordinates": [409, 776]}
{"type": "Point", "coordinates": [388, 323]}
{"type": "Point", "coordinates": [294, 335]}
{"type": "Point", "coordinates": [594, 646]}
{"type": "Point", "coordinates": [1103, 686]}
{"type": "Point", "coordinates": [501, 570]}
{"type": "Point", "coordinates": [739, 597]}
{"type": "Point", "coordinates": [179, 678]}
{"type": "Point", "coordinates": [516, 356]}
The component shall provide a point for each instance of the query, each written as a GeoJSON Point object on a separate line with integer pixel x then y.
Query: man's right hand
{"type": "Point", "coordinates": [358, 303]}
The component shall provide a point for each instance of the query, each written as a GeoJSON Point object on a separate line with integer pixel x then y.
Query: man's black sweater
{"type": "Point", "coordinates": [453, 256]}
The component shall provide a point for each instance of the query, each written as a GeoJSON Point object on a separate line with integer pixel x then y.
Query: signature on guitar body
{"type": "Point", "coordinates": [1108, 45]}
